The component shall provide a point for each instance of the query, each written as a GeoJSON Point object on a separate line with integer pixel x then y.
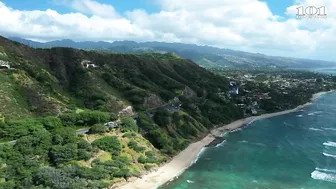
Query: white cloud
{"type": "Point", "coordinates": [51, 25]}
{"type": "Point", "coordinates": [94, 8]}
{"type": "Point", "coordinates": [241, 24]}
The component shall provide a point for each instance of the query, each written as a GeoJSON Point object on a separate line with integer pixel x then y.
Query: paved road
{"type": "Point", "coordinates": [82, 131]}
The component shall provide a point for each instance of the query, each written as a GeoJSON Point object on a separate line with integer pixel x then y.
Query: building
{"type": "Point", "coordinates": [4, 64]}
{"type": "Point", "coordinates": [111, 124]}
{"type": "Point", "coordinates": [88, 64]}
{"type": "Point", "coordinates": [233, 88]}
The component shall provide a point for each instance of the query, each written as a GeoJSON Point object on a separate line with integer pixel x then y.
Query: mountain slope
{"type": "Point", "coordinates": [52, 81]}
{"type": "Point", "coordinates": [203, 55]}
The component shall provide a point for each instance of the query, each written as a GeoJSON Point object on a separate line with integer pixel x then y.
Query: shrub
{"type": "Point", "coordinates": [83, 155]}
{"type": "Point", "coordinates": [63, 154]}
{"type": "Point", "coordinates": [86, 117]}
{"type": "Point", "coordinates": [51, 122]}
{"type": "Point", "coordinates": [109, 144]}
{"type": "Point", "coordinates": [142, 159]}
{"type": "Point", "coordinates": [129, 135]}
{"type": "Point", "coordinates": [134, 145]}
{"type": "Point", "coordinates": [85, 145]}
{"type": "Point", "coordinates": [129, 123]}
{"type": "Point", "coordinates": [148, 167]}
{"type": "Point", "coordinates": [98, 129]}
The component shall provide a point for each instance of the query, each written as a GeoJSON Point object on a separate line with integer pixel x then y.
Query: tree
{"type": "Point", "coordinates": [98, 129]}
{"type": "Point", "coordinates": [63, 154]}
{"type": "Point", "coordinates": [129, 123]}
{"type": "Point", "coordinates": [68, 135]}
{"type": "Point", "coordinates": [51, 122]}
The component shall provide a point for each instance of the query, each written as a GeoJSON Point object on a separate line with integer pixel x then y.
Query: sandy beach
{"type": "Point", "coordinates": [186, 157]}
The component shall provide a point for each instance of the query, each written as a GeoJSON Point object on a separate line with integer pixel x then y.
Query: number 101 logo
{"type": "Point", "coordinates": [311, 12]}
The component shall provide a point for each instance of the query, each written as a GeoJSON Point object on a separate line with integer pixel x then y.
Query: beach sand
{"type": "Point", "coordinates": [186, 157]}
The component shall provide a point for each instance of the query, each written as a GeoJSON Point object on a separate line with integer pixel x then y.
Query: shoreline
{"type": "Point", "coordinates": [189, 155]}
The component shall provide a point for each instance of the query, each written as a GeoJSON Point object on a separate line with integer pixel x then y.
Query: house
{"type": "Point", "coordinates": [111, 124]}
{"type": "Point", "coordinates": [88, 64]}
{"type": "Point", "coordinates": [4, 64]}
{"type": "Point", "coordinates": [233, 88]}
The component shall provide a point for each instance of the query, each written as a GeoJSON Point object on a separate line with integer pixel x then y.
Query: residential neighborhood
{"type": "Point", "coordinates": [256, 92]}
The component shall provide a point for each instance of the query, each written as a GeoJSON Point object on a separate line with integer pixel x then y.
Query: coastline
{"type": "Point", "coordinates": [187, 157]}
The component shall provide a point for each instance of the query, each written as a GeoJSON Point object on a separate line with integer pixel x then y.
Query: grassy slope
{"type": "Point", "coordinates": [128, 152]}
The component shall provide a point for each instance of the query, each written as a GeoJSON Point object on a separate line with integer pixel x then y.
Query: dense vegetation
{"type": "Point", "coordinates": [48, 95]}
{"type": "Point", "coordinates": [53, 156]}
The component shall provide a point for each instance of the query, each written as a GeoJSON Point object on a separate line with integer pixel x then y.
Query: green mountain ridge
{"type": "Point", "coordinates": [217, 57]}
{"type": "Point", "coordinates": [117, 76]}
{"type": "Point", "coordinates": [47, 94]}
{"type": "Point", "coordinates": [51, 82]}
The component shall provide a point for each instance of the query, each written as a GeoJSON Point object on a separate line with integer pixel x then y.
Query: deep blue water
{"type": "Point", "coordinates": [292, 151]}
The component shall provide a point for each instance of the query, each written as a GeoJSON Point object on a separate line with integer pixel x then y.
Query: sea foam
{"type": "Point", "coordinates": [329, 129]}
{"type": "Point", "coordinates": [326, 170]}
{"type": "Point", "coordinates": [198, 155]}
{"type": "Point", "coordinates": [235, 130]}
{"type": "Point", "coordinates": [318, 175]}
{"type": "Point", "coordinates": [221, 144]}
{"type": "Point", "coordinates": [329, 155]}
{"type": "Point", "coordinates": [329, 143]}
{"type": "Point", "coordinates": [190, 181]}
{"type": "Point", "coordinates": [315, 129]}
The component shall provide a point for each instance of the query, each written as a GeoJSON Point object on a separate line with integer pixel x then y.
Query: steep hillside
{"type": "Point", "coordinates": [46, 94]}
{"type": "Point", "coordinates": [131, 78]}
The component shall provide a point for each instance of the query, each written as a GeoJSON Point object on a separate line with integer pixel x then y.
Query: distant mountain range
{"type": "Point", "coordinates": [205, 56]}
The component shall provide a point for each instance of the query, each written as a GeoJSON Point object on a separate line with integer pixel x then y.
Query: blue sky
{"type": "Point", "coordinates": [277, 6]}
{"type": "Point", "coordinates": [264, 26]}
{"type": "Point", "coordinates": [120, 5]}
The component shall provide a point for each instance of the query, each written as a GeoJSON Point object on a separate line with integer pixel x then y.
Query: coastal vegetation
{"type": "Point", "coordinates": [63, 124]}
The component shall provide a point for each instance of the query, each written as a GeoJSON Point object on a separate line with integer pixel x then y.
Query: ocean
{"type": "Point", "coordinates": [292, 151]}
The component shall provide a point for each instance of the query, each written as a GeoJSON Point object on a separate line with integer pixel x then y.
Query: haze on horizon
{"type": "Point", "coordinates": [269, 27]}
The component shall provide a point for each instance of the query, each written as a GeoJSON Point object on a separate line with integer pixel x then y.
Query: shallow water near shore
{"type": "Point", "coordinates": [291, 151]}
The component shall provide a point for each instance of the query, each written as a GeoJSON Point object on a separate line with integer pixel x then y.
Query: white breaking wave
{"type": "Point", "coordinates": [299, 115]}
{"type": "Point", "coordinates": [198, 155]}
{"type": "Point", "coordinates": [190, 181]}
{"type": "Point", "coordinates": [329, 155]}
{"type": "Point", "coordinates": [310, 114]}
{"type": "Point", "coordinates": [331, 144]}
{"type": "Point", "coordinates": [317, 175]}
{"type": "Point", "coordinates": [315, 129]}
{"type": "Point", "coordinates": [326, 170]}
{"type": "Point", "coordinates": [329, 129]}
{"type": "Point", "coordinates": [243, 141]}
{"type": "Point", "coordinates": [221, 144]}
{"type": "Point", "coordinates": [236, 130]}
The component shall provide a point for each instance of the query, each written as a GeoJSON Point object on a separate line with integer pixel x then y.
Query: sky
{"type": "Point", "coordinates": [262, 26]}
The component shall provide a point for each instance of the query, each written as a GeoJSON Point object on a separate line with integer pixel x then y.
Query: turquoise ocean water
{"type": "Point", "coordinates": [292, 151]}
